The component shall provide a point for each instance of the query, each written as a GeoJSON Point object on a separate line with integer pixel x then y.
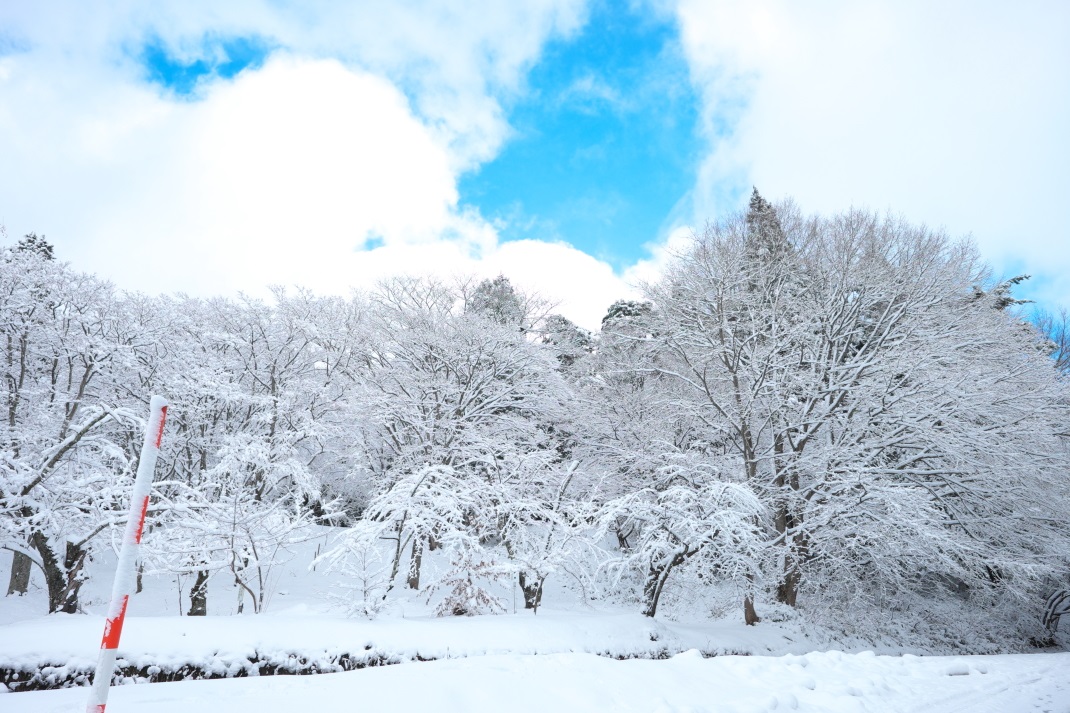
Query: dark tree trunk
{"type": "Point", "coordinates": [64, 579]}
{"type": "Point", "coordinates": [532, 592]}
{"type": "Point", "coordinates": [20, 574]}
{"type": "Point", "coordinates": [74, 576]}
{"type": "Point", "coordinates": [414, 563]}
{"type": "Point", "coordinates": [787, 590]}
{"type": "Point", "coordinates": [198, 595]}
{"type": "Point", "coordinates": [655, 581]}
{"type": "Point", "coordinates": [787, 522]}
{"type": "Point", "coordinates": [395, 564]}
{"type": "Point", "coordinates": [54, 579]}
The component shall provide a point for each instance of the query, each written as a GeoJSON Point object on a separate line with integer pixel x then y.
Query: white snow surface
{"type": "Point", "coordinates": [562, 659]}
{"type": "Point", "coordinates": [830, 681]}
{"type": "Point", "coordinates": [74, 639]}
{"type": "Point", "coordinates": [522, 662]}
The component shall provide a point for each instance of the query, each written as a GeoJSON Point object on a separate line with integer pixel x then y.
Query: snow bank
{"type": "Point", "coordinates": [60, 650]}
{"type": "Point", "coordinates": [829, 682]}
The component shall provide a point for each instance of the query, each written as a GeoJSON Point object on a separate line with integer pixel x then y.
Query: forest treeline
{"type": "Point", "coordinates": [845, 415]}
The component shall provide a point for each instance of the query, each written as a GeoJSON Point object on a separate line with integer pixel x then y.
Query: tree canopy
{"type": "Point", "coordinates": [841, 415]}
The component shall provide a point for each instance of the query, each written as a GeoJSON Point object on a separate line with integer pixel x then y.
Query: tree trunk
{"type": "Point", "coordinates": [243, 588]}
{"type": "Point", "coordinates": [73, 563]}
{"type": "Point", "coordinates": [395, 563]}
{"type": "Point", "coordinates": [20, 574]}
{"type": "Point", "coordinates": [795, 545]}
{"type": "Point", "coordinates": [53, 570]}
{"type": "Point", "coordinates": [787, 590]}
{"type": "Point", "coordinates": [785, 520]}
{"type": "Point", "coordinates": [64, 579]}
{"type": "Point", "coordinates": [532, 592]}
{"type": "Point", "coordinates": [414, 563]}
{"type": "Point", "coordinates": [198, 595]}
{"type": "Point", "coordinates": [750, 617]}
{"type": "Point", "coordinates": [655, 581]}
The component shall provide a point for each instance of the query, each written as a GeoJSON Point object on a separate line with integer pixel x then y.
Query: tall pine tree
{"type": "Point", "coordinates": [766, 242]}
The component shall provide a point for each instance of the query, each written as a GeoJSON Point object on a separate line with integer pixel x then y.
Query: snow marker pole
{"type": "Point", "coordinates": [124, 571]}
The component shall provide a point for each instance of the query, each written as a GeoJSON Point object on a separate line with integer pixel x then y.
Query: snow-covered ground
{"type": "Point", "coordinates": [829, 681]}
{"type": "Point", "coordinates": [563, 659]}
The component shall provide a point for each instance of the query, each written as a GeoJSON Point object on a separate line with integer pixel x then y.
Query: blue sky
{"type": "Point", "coordinates": [605, 141]}
{"type": "Point", "coordinates": [216, 57]}
{"type": "Point", "coordinates": [214, 147]}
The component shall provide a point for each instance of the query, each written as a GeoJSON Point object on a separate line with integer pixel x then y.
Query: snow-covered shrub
{"type": "Point", "coordinates": [689, 522]}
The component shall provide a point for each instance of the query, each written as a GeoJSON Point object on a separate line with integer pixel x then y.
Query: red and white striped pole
{"type": "Point", "coordinates": [124, 571]}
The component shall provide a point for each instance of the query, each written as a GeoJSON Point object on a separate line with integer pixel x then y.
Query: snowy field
{"type": "Point", "coordinates": [571, 658]}
{"type": "Point", "coordinates": [829, 681]}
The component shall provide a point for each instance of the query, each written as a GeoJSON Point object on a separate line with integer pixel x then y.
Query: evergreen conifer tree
{"type": "Point", "coordinates": [31, 243]}
{"type": "Point", "coordinates": [497, 301]}
{"type": "Point", "coordinates": [766, 241]}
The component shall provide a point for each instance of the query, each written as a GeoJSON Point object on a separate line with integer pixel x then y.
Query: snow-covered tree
{"type": "Point", "coordinates": [865, 394]}
{"type": "Point", "coordinates": [570, 342]}
{"type": "Point", "coordinates": [669, 498]}
{"type": "Point", "coordinates": [450, 395]}
{"type": "Point", "coordinates": [1056, 328]}
{"type": "Point", "coordinates": [258, 395]}
{"type": "Point", "coordinates": [497, 301]}
{"type": "Point", "coordinates": [68, 423]}
{"type": "Point", "coordinates": [688, 517]}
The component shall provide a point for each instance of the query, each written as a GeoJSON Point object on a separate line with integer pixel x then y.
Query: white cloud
{"type": "Point", "coordinates": [662, 254]}
{"type": "Point", "coordinates": [953, 114]}
{"type": "Point", "coordinates": [259, 182]}
{"type": "Point", "coordinates": [456, 60]}
{"type": "Point", "coordinates": [582, 286]}
{"type": "Point", "coordinates": [285, 173]}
